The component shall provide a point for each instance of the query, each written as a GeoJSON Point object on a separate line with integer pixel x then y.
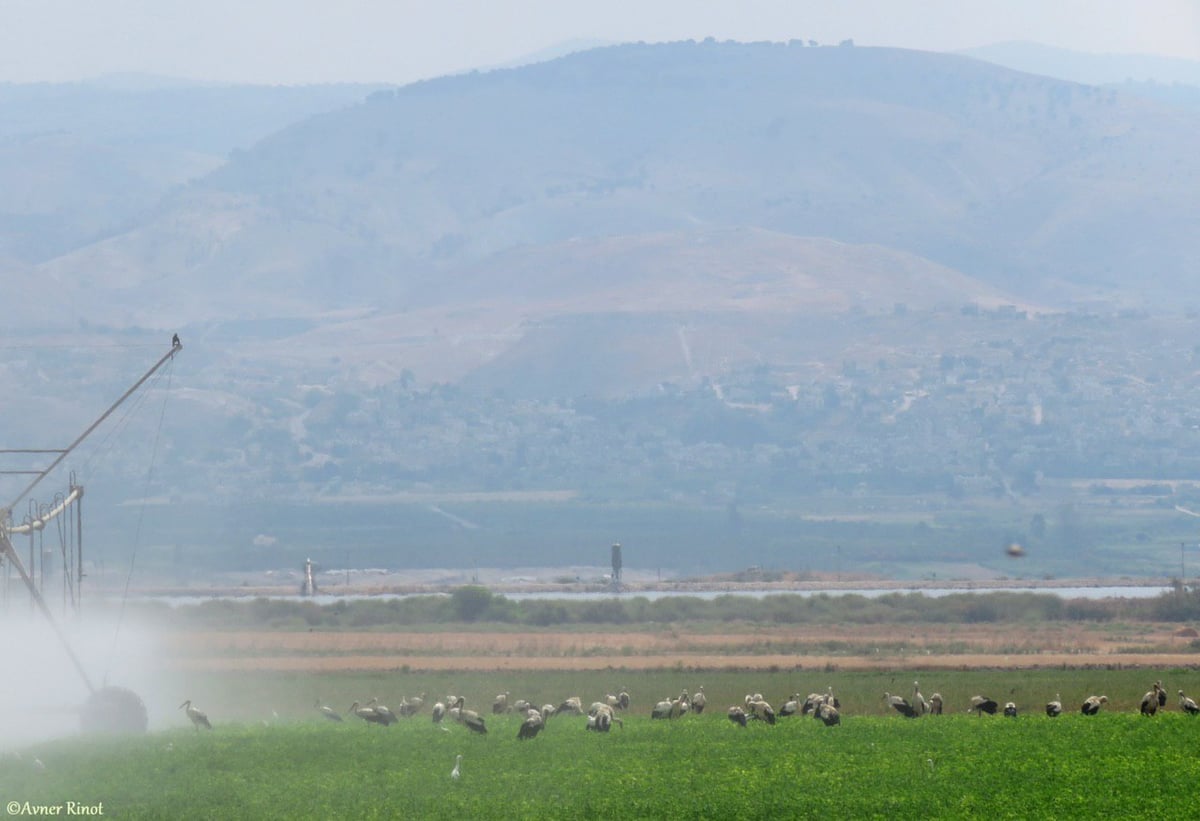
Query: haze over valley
{"type": "Point", "coordinates": [778, 304]}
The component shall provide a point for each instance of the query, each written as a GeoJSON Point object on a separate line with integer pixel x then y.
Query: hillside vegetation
{"type": "Point", "coordinates": [1042, 187]}
{"type": "Point", "coordinates": [736, 303]}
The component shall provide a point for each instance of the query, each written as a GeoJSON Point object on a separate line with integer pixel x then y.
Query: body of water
{"type": "Point", "coordinates": [1126, 592]}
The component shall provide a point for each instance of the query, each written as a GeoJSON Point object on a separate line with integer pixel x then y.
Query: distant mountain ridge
{"type": "Point", "coordinates": [1084, 67]}
{"type": "Point", "coordinates": [708, 292]}
{"type": "Point", "coordinates": [1047, 190]}
{"type": "Point", "coordinates": [80, 162]}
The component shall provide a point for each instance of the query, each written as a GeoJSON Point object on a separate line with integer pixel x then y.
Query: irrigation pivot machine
{"type": "Point", "coordinates": [108, 709]}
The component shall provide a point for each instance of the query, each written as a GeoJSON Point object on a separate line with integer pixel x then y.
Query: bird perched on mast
{"type": "Point", "coordinates": [199, 719]}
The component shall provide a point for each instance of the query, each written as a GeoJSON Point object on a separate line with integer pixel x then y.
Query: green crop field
{"type": "Point", "coordinates": [876, 764]}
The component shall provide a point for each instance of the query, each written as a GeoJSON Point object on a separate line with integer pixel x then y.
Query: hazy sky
{"type": "Point", "coordinates": [303, 41]}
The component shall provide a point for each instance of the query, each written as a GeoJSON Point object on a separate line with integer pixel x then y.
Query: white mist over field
{"type": "Point", "coordinates": [42, 694]}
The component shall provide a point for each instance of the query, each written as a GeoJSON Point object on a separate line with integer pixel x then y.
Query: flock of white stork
{"type": "Point", "coordinates": [601, 715]}
{"type": "Point", "coordinates": [1154, 700]}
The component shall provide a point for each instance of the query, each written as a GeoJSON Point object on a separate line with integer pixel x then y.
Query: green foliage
{"type": "Point", "coordinates": [476, 604]}
{"type": "Point", "coordinates": [470, 602]}
{"type": "Point", "coordinates": [872, 766]}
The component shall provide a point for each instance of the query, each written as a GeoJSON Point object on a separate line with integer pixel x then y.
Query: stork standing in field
{"type": "Point", "coordinates": [828, 714]}
{"type": "Point", "coordinates": [900, 704]}
{"type": "Point", "coordinates": [531, 726]}
{"type": "Point", "coordinates": [368, 714]}
{"type": "Point", "coordinates": [1010, 710]}
{"type": "Point", "coordinates": [500, 704]}
{"type": "Point", "coordinates": [601, 718]}
{"type": "Point", "coordinates": [1187, 705]}
{"type": "Point", "coordinates": [699, 700]}
{"type": "Point", "coordinates": [791, 706]}
{"type": "Point", "coordinates": [983, 704]}
{"type": "Point", "coordinates": [388, 716]}
{"type": "Point", "coordinates": [737, 715]}
{"type": "Point", "coordinates": [199, 719]}
{"type": "Point", "coordinates": [1149, 705]}
{"type": "Point", "coordinates": [662, 709]}
{"type": "Point", "coordinates": [439, 712]}
{"type": "Point", "coordinates": [1054, 708]}
{"type": "Point", "coordinates": [761, 710]}
{"type": "Point", "coordinates": [919, 702]}
{"type": "Point", "coordinates": [571, 706]}
{"type": "Point", "coordinates": [935, 704]}
{"type": "Point", "coordinates": [327, 711]}
{"type": "Point", "coordinates": [456, 773]}
{"type": "Point", "coordinates": [1091, 705]}
{"type": "Point", "coordinates": [473, 721]}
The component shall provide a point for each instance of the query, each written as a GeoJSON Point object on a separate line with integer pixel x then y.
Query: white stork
{"type": "Point", "coordinates": [572, 706]}
{"type": "Point", "coordinates": [531, 726]}
{"type": "Point", "coordinates": [388, 716]}
{"type": "Point", "coordinates": [327, 711]}
{"type": "Point", "coordinates": [919, 702]}
{"type": "Point", "coordinates": [737, 715]}
{"type": "Point", "coordinates": [983, 704]}
{"type": "Point", "coordinates": [368, 714]}
{"type": "Point", "coordinates": [473, 721]}
{"type": "Point", "coordinates": [901, 705]}
{"type": "Point", "coordinates": [662, 709]}
{"type": "Point", "coordinates": [1149, 705]}
{"type": "Point", "coordinates": [762, 711]}
{"type": "Point", "coordinates": [828, 714]}
{"type": "Point", "coordinates": [199, 719]}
